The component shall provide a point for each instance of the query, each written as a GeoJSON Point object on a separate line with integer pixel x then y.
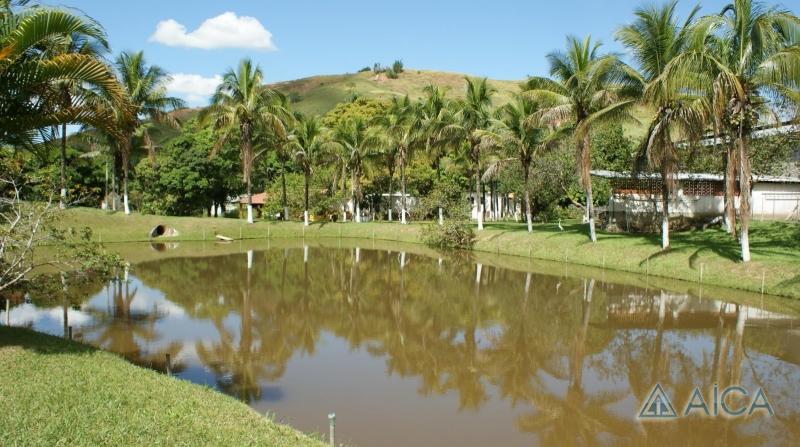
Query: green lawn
{"type": "Point", "coordinates": [775, 245]}
{"type": "Point", "coordinates": [56, 392]}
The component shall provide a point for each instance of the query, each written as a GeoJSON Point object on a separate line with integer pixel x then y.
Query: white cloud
{"type": "Point", "coordinates": [226, 30]}
{"type": "Point", "coordinates": [193, 88]}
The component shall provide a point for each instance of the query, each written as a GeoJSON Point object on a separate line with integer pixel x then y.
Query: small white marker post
{"type": "Point", "coordinates": [332, 428]}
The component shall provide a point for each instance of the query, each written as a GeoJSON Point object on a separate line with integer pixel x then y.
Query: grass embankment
{"type": "Point", "coordinates": [775, 245]}
{"type": "Point", "coordinates": [58, 392]}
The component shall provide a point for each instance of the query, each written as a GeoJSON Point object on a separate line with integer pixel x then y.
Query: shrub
{"type": "Point", "coordinates": [397, 66]}
{"type": "Point", "coordinates": [450, 235]}
{"type": "Point", "coordinates": [391, 73]}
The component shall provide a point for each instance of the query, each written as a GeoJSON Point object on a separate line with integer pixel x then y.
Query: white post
{"type": "Point", "coordinates": [249, 213]}
{"type": "Point", "coordinates": [305, 217]}
{"type": "Point", "coordinates": [249, 259]}
{"type": "Point", "coordinates": [441, 216]}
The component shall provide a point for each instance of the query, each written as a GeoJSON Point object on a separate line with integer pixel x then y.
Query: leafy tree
{"type": "Point", "coordinates": [656, 38]}
{"type": "Point", "coordinates": [146, 91]}
{"type": "Point", "coordinates": [469, 117]}
{"type": "Point", "coordinates": [241, 106]}
{"type": "Point", "coordinates": [586, 88]}
{"type": "Point", "coordinates": [357, 141]}
{"type": "Point", "coordinates": [745, 60]}
{"type": "Point", "coordinates": [403, 130]}
{"type": "Point", "coordinates": [307, 139]}
{"type": "Point", "coordinates": [362, 108]}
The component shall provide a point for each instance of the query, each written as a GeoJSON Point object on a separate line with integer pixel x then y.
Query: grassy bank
{"type": "Point", "coordinates": [57, 392]}
{"type": "Point", "coordinates": [775, 245]}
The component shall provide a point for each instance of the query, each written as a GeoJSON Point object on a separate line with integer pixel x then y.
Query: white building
{"type": "Point", "coordinates": [636, 199]}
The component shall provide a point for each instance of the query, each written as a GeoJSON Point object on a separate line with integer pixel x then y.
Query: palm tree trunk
{"type": "Point", "coordinates": [391, 193]}
{"type": "Point", "coordinates": [283, 193]}
{"type": "Point", "coordinates": [730, 190]}
{"type": "Point", "coordinates": [249, 200]}
{"type": "Point", "coordinates": [586, 178]}
{"type": "Point", "coordinates": [305, 198]}
{"type": "Point", "coordinates": [744, 196]}
{"type": "Point", "coordinates": [478, 196]}
{"type": "Point", "coordinates": [528, 214]}
{"type": "Point", "coordinates": [664, 212]}
{"type": "Point", "coordinates": [63, 202]}
{"type": "Point", "coordinates": [403, 210]}
{"type": "Point", "coordinates": [125, 163]}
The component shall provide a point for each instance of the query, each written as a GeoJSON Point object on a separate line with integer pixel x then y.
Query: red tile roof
{"type": "Point", "coordinates": [258, 199]}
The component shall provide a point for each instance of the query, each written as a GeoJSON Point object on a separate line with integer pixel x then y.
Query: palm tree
{"type": "Point", "coordinates": [746, 59]}
{"type": "Point", "coordinates": [243, 105]}
{"type": "Point", "coordinates": [147, 93]}
{"type": "Point", "coordinates": [388, 154]}
{"type": "Point", "coordinates": [308, 140]}
{"type": "Point", "coordinates": [472, 115]}
{"type": "Point", "coordinates": [32, 68]}
{"type": "Point", "coordinates": [586, 88]}
{"type": "Point", "coordinates": [357, 140]}
{"type": "Point", "coordinates": [517, 131]}
{"type": "Point", "coordinates": [402, 126]}
{"type": "Point", "coordinates": [654, 39]}
{"type": "Point", "coordinates": [431, 116]}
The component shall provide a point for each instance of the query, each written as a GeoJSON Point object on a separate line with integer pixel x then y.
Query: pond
{"type": "Point", "coordinates": [417, 349]}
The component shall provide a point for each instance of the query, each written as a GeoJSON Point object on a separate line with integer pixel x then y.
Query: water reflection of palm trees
{"type": "Point", "coordinates": [537, 339]}
{"type": "Point", "coordinates": [123, 330]}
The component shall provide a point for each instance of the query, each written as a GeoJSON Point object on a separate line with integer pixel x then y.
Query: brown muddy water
{"type": "Point", "coordinates": [410, 350]}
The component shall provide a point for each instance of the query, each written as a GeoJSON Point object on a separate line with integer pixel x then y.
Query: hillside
{"type": "Point", "coordinates": [318, 94]}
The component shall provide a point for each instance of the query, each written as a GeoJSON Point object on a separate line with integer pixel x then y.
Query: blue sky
{"type": "Point", "coordinates": [291, 39]}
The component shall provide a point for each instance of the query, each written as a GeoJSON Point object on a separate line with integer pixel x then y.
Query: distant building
{"type": "Point", "coordinates": [258, 205]}
{"type": "Point", "coordinates": [635, 201]}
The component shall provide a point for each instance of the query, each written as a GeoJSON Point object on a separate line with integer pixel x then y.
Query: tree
{"type": "Point", "coordinates": [655, 38]}
{"type": "Point", "coordinates": [402, 126]}
{"type": "Point", "coordinates": [746, 59]}
{"type": "Point", "coordinates": [146, 91]}
{"type": "Point", "coordinates": [517, 132]}
{"type": "Point", "coordinates": [241, 104]}
{"type": "Point", "coordinates": [586, 88]}
{"type": "Point", "coordinates": [357, 140]}
{"type": "Point", "coordinates": [32, 68]}
{"type": "Point", "coordinates": [308, 140]}
{"type": "Point", "coordinates": [470, 116]}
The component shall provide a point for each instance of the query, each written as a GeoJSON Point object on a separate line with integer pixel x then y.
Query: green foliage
{"type": "Point", "coordinates": [186, 180]}
{"type": "Point", "coordinates": [453, 234]}
{"type": "Point", "coordinates": [397, 66]}
{"type": "Point", "coordinates": [449, 194]}
{"type": "Point", "coordinates": [612, 150]}
{"type": "Point", "coordinates": [362, 108]}
{"type": "Point", "coordinates": [391, 74]}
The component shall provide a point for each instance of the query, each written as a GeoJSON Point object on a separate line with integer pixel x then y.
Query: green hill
{"type": "Point", "coordinates": [318, 94]}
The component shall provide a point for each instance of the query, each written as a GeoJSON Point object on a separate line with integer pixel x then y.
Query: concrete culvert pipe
{"type": "Point", "coordinates": [163, 230]}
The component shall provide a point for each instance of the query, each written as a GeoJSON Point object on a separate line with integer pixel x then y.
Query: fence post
{"type": "Point", "coordinates": [332, 429]}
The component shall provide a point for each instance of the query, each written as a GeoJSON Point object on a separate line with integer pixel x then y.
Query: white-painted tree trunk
{"type": "Point", "coordinates": [249, 213]}
{"type": "Point", "coordinates": [390, 214]}
{"type": "Point", "coordinates": [63, 203]}
{"type": "Point", "coordinates": [125, 201]}
{"type": "Point", "coordinates": [480, 217]}
{"type": "Point", "coordinates": [664, 232]}
{"type": "Point", "coordinates": [403, 216]}
{"type": "Point", "coordinates": [286, 213]}
{"type": "Point", "coordinates": [441, 216]}
{"type": "Point", "coordinates": [344, 214]}
{"type": "Point", "coordinates": [358, 214]}
{"type": "Point", "coordinates": [305, 217]}
{"type": "Point", "coordinates": [530, 222]}
{"type": "Point", "coordinates": [744, 239]}
{"type": "Point", "coordinates": [220, 211]}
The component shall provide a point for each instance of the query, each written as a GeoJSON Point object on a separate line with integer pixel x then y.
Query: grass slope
{"type": "Point", "coordinates": [775, 245]}
{"type": "Point", "coordinates": [58, 392]}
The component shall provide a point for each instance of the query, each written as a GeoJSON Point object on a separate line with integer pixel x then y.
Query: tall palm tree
{"type": "Point", "coordinates": [388, 154]}
{"type": "Point", "coordinates": [586, 88]}
{"type": "Point", "coordinates": [472, 115]}
{"type": "Point", "coordinates": [357, 140]}
{"type": "Point", "coordinates": [308, 140]}
{"type": "Point", "coordinates": [402, 126]}
{"type": "Point", "coordinates": [747, 59]}
{"type": "Point", "coordinates": [518, 131]}
{"type": "Point", "coordinates": [654, 39]}
{"type": "Point", "coordinates": [242, 105]}
{"type": "Point", "coordinates": [431, 112]}
{"type": "Point", "coordinates": [146, 90]}
{"type": "Point", "coordinates": [32, 68]}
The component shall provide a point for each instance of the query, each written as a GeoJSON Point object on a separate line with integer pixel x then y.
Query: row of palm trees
{"type": "Point", "coordinates": [721, 74]}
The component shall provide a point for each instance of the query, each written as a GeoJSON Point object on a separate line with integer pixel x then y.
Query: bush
{"type": "Point", "coordinates": [397, 66]}
{"type": "Point", "coordinates": [391, 74]}
{"type": "Point", "coordinates": [451, 235]}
